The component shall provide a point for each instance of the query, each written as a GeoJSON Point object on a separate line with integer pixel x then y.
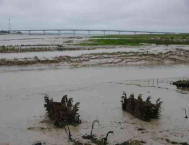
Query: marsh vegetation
{"type": "Point", "coordinates": [64, 112]}
{"type": "Point", "coordinates": [144, 110]}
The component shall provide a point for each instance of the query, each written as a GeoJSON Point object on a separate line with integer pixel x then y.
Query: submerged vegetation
{"type": "Point", "coordinates": [97, 141]}
{"type": "Point", "coordinates": [94, 139]}
{"type": "Point", "coordinates": [64, 112]}
{"type": "Point", "coordinates": [182, 84]}
{"type": "Point", "coordinates": [143, 110]}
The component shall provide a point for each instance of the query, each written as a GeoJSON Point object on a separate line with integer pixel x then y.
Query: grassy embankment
{"type": "Point", "coordinates": [137, 40]}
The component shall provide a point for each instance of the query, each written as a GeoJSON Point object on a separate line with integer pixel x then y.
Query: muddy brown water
{"type": "Point", "coordinates": [99, 90]}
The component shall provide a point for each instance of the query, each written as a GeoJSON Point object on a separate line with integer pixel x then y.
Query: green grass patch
{"type": "Point", "coordinates": [148, 36]}
{"type": "Point", "coordinates": [110, 42]}
{"type": "Point", "coordinates": [134, 41]}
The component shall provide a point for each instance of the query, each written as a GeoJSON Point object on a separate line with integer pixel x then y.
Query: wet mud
{"type": "Point", "coordinates": [179, 56]}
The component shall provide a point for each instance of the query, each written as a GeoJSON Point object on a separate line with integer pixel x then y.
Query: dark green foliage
{"type": "Point", "coordinates": [182, 84]}
{"type": "Point", "coordinates": [64, 112]}
{"type": "Point", "coordinates": [143, 110]}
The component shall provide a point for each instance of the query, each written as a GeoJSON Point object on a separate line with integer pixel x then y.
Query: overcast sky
{"type": "Point", "coordinates": [151, 15]}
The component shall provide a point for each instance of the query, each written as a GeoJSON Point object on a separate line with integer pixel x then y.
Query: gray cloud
{"type": "Point", "coordinates": [156, 15]}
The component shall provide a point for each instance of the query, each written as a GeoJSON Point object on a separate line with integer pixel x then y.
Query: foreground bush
{"type": "Point", "coordinates": [64, 112]}
{"type": "Point", "coordinates": [182, 84]}
{"type": "Point", "coordinates": [143, 110]}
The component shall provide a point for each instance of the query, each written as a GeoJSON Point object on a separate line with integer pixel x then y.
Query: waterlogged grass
{"type": "Point", "coordinates": [6, 49]}
{"type": "Point", "coordinates": [137, 40]}
{"type": "Point", "coordinates": [92, 42]}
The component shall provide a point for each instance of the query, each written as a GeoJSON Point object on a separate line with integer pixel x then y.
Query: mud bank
{"type": "Point", "coordinates": [177, 56]}
{"type": "Point", "coordinates": [37, 48]}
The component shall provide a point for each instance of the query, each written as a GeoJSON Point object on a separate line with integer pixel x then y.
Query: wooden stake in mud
{"type": "Point", "coordinates": [185, 114]}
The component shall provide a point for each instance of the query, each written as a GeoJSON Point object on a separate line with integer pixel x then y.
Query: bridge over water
{"type": "Point", "coordinates": [83, 31]}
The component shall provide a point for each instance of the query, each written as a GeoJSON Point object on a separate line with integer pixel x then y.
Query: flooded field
{"type": "Point", "coordinates": [95, 76]}
{"type": "Point", "coordinates": [99, 91]}
{"type": "Point", "coordinates": [61, 50]}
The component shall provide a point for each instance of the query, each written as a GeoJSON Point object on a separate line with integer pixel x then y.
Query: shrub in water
{"type": "Point", "coordinates": [64, 112]}
{"type": "Point", "coordinates": [143, 110]}
{"type": "Point", "coordinates": [182, 84]}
